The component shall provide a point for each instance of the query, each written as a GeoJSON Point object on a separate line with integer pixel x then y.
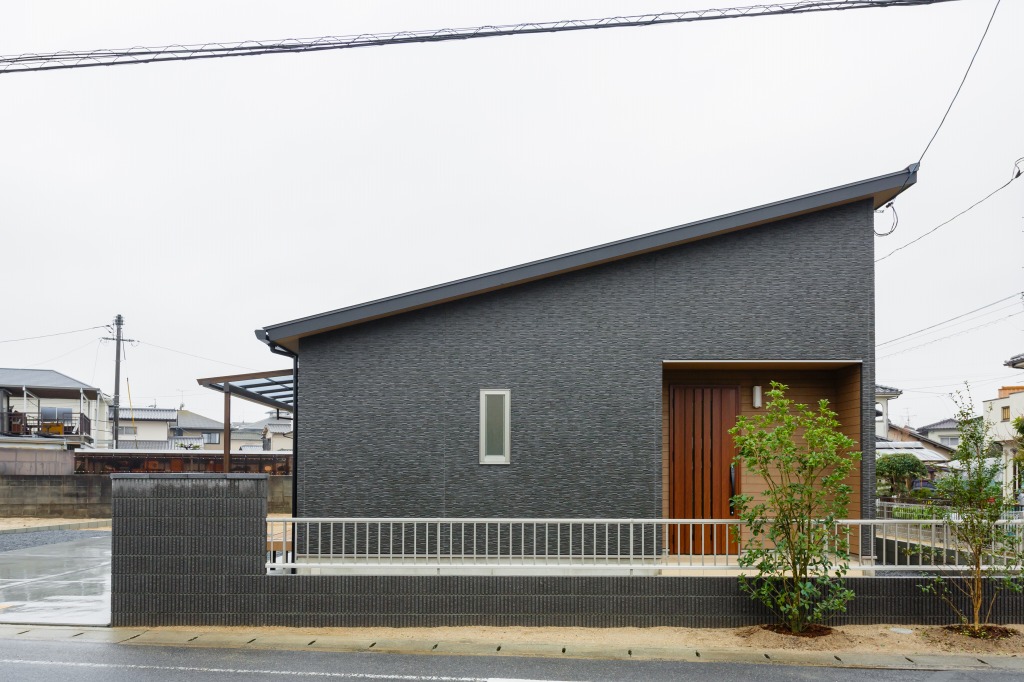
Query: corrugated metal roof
{"type": "Point", "coordinates": [191, 420]}
{"type": "Point", "coordinates": [39, 378]}
{"type": "Point", "coordinates": [142, 414]}
{"type": "Point", "coordinates": [879, 189]}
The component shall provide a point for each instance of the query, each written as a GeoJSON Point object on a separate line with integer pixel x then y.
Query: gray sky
{"type": "Point", "coordinates": [205, 199]}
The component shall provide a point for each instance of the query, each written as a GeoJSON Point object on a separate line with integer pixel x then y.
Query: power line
{"type": "Point", "coordinates": [962, 81]}
{"type": "Point", "coordinates": [168, 53]}
{"type": "Point", "coordinates": [192, 355]}
{"type": "Point", "coordinates": [937, 129]}
{"type": "Point", "coordinates": [939, 324]}
{"type": "Point", "coordinates": [1014, 175]}
{"type": "Point", "coordinates": [46, 336]}
{"type": "Point", "coordinates": [949, 336]}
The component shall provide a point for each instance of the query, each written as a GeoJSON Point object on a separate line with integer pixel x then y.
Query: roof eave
{"type": "Point", "coordinates": [284, 337]}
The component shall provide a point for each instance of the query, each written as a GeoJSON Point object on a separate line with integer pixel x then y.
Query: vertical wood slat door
{"type": "Point", "coordinates": [702, 478]}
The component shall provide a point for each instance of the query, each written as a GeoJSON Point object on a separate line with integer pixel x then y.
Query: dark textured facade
{"type": "Point", "coordinates": [389, 418]}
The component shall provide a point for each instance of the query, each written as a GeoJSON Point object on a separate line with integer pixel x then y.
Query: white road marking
{"type": "Point", "coordinates": [241, 671]}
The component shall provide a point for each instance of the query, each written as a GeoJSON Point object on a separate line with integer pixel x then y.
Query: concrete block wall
{"type": "Point", "coordinates": [36, 462]}
{"type": "Point", "coordinates": [68, 497]}
{"type": "Point", "coordinates": [189, 549]}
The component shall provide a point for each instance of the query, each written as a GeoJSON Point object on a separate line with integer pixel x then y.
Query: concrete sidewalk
{"type": "Point", "coordinates": [256, 639]}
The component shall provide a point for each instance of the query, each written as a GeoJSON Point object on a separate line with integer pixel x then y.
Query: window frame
{"type": "Point", "coordinates": [1004, 413]}
{"type": "Point", "coordinates": [211, 437]}
{"type": "Point", "coordinates": [506, 457]}
{"type": "Point", "coordinates": [127, 430]}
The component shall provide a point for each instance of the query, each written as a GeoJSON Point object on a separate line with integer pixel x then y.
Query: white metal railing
{"type": "Point", "coordinates": [618, 546]}
{"type": "Point", "coordinates": [911, 510]}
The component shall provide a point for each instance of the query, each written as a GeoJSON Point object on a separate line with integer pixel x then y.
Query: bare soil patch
{"type": "Point", "coordinates": [17, 522]}
{"type": "Point", "coordinates": [879, 639]}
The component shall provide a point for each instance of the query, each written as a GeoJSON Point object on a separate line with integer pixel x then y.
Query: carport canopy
{"type": "Point", "coordinates": [273, 388]}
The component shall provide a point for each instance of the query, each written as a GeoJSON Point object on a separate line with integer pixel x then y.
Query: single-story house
{"type": "Point", "coordinates": [596, 384]}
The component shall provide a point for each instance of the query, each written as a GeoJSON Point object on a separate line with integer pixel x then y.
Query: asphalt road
{"type": "Point", "coordinates": [30, 661]}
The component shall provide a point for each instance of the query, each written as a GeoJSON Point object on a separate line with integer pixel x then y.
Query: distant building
{"type": "Point", "coordinates": [41, 408]}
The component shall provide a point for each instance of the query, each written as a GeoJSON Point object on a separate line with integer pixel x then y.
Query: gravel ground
{"type": "Point", "coordinates": [12, 541]}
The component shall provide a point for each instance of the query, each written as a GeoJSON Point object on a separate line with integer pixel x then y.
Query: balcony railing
{"type": "Point", "coordinates": [588, 546]}
{"type": "Point", "coordinates": [36, 424]}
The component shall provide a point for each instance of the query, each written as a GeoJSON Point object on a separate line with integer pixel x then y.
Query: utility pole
{"type": "Point", "coordinates": [118, 322]}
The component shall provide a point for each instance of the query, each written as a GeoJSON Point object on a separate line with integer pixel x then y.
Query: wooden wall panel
{"type": "Point", "coordinates": [841, 387]}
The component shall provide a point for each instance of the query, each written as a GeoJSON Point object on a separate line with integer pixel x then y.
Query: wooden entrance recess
{"type": "Point", "coordinates": [702, 474]}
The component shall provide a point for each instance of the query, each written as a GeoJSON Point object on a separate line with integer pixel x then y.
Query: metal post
{"type": "Point", "coordinates": [118, 321]}
{"type": "Point", "coordinates": [227, 428]}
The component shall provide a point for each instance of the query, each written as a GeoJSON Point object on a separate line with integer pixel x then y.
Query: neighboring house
{"type": "Point", "coordinates": [944, 431]}
{"type": "Point", "coordinates": [44, 408]}
{"type": "Point", "coordinates": [195, 426]}
{"type": "Point", "coordinates": [905, 434]}
{"type": "Point", "coordinates": [599, 383]}
{"type": "Point", "coordinates": [145, 427]}
{"type": "Point", "coordinates": [158, 428]}
{"type": "Point", "coordinates": [883, 394]}
{"type": "Point", "coordinates": [1017, 362]}
{"type": "Point", "coordinates": [271, 433]}
{"type": "Point", "coordinates": [1000, 413]}
{"type": "Point", "coordinates": [931, 459]}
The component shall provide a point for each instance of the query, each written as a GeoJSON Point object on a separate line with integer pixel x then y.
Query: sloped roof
{"type": "Point", "coordinates": [912, 447]}
{"type": "Point", "coordinates": [123, 444]}
{"type": "Point", "coordinates": [943, 424]}
{"type": "Point", "coordinates": [1017, 362]}
{"type": "Point", "coordinates": [46, 383]}
{"type": "Point", "coordinates": [191, 420]}
{"type": "Point", "coordinates": [142, 414]}
{"type": "Point", "coordinates": [887, 390]}
{"type": "Point", "coordinates": [879, 189]}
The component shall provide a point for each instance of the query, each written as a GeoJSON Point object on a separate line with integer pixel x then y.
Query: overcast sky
{"type": "Point", "coordinates": [205, 199]}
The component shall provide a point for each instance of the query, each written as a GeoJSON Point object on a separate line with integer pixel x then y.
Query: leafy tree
{"type": "Point", "coordinates": [992, 548]}
{"type": "Point", "coordinates": [898, 470]}
{"type": "Point", "coordinates": [791, 536]}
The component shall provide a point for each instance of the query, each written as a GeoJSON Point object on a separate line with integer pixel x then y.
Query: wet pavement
{"type": "Point", "coordinates": [56, 578]}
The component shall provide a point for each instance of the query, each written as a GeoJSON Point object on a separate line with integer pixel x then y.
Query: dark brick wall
{"type": "Point", "coordinates": [186, 548]}
{"type": "Point", "coordinates": [189, 550]}
{"type": "Point", "coordinates": [389, 409]}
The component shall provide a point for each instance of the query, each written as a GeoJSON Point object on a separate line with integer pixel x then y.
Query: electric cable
{"type": "Point", "coordinates": [46, 336]}
{"type": "Point", "coordinates": [192, 355]}
{"type": "Point", "coordinates": [1015, 174]}
{"type": "Point", "coordinates": [67, 59]}
{"type": "Point", "coordinates": [939, 324]}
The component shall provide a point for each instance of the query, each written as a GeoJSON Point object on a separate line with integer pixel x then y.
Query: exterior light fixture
{"type": "Point", "coordinates": [757, 397]}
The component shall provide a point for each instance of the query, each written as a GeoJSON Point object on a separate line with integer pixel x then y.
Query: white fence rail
{"type": "Point", "coordinates": [586, 546]}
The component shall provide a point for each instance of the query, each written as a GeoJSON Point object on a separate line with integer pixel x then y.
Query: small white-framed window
{"type": "Point", "coordinates": [495, 425]}
{"type": "Point", "coordinates": [127, 431]}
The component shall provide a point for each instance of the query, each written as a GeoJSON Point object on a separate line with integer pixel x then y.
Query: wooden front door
{"type": "Point", "coordinates": [702, 474]}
